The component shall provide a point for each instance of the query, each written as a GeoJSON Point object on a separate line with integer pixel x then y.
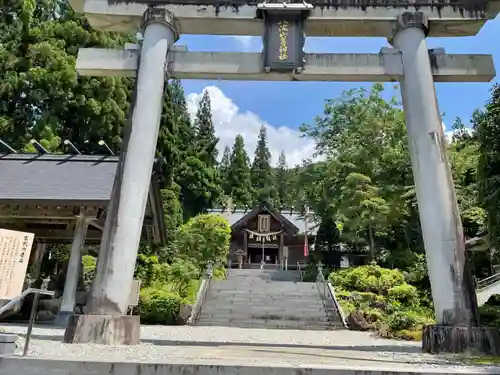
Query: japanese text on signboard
{"type": "Point", "coordinates": [15, 249]}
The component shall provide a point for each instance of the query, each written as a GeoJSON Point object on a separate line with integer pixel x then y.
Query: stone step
{"type": "Point", "coordinates": [266, 316]}
{"type": "Point", "coordinates": [269, 293]}
{"type": "Point", "coordinates": [263, 309]}
{"type": "Point", "coordinates": [263, 293]}
{"type": "Point", "coordinates": [249, 281]}
{"type": "Point", "coordinates": [307, 305]}
{"type": "Point", "coordinates": [271, 304]}
{"type": "Point", "coordinates": [259, 290]}
{"type": "Point", "coordinates": [269, 324]}
{"type": "Point", "coordinates": [264, 319]}
{"type": "Point", "coordinates": [267, 301]}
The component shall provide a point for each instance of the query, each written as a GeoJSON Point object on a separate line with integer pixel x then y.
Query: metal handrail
{"type": "Point", "coordinates": [327, 295]}
{"type": "Point", "coordinates": [201, 295]}
{"type": "Point", "coordinates": [229, 265]}
{"type": "Point", "coordinates": [486, 282]}
{"type": "Point", "coordinates": [342, 315]}
{"type": "Point", "coordinates": [300, 271]}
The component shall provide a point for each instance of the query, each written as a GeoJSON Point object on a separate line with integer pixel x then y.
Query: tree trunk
{"type": "Point", "coordinates": [371, 240]}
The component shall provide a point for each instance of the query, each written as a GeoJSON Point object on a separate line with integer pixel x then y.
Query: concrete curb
{"type": "Point", "coordinates": [41, 366]}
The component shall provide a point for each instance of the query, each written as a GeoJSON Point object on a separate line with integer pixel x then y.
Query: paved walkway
{"type": "Point", "coordinates": [238, 346]}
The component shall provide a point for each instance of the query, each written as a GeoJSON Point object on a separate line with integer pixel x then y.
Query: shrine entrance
{"type": "Point", "coordinates": [284, 26]}
{"type": "Point", "coordinates": [268, 252]}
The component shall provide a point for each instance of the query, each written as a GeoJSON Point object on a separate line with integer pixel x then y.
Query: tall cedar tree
{"type": "Point", "coordinates": [197, 174]}
{"type": "Point", "coordinates": [238, 184]}
{"type": "Point", "coordinates": [283, 181]}
{"type": "Point", "coordinates": [41, 96]}
{"type": "Point", "coordinates": [488, 130]}
{"type": "Point", "coordinates": [261, 173]}
{"type": "Point", "coordinates": [224, 167]}
{"type": "Point", "coordinates": [206, 141]}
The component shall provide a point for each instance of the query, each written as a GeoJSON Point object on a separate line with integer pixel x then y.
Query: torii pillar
{"type": "Point", "coordinates": [457, 328]}
{"type": "Point", "coordinates": [105, 320]}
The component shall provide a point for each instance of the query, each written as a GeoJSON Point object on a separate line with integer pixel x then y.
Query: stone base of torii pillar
{"type": "Point", "coordinates": [104, 329]}
{"type": "Point", "coordinates": [105, 320]}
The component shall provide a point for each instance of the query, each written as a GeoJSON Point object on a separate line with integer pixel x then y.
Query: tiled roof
{"type": "Point", "coordinates": [294, 217]}
{"type": "Point", "coordinates": [77, 178]}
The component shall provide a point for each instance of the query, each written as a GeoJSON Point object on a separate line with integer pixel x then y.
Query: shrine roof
{"type": "Point", "coordinates": [57, 178]}
{"type": "Point", "coordinates": [294, 218]}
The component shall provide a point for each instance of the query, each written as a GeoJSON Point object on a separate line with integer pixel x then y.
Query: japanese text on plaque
{"type": "Point", "coordinates": [15, 249]}
{"type": "Point", "coordinates": [283, 34]}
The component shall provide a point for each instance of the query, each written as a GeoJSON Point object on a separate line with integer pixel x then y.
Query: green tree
{"type": "Point", "coordinates": [199, 183]}
{"type": "Point", "coordinates": [206, 140]}
{"type": "Point", "coordinates": [487, 124]}
{"type": "Point", "coordinates": [262, 176]}
{"type": "Point", "coordinates": [41, 96]}
{"type": "Point", "coordinates": [238, 184]}
{"type": "Point", "coordinates": [362, 211]}
{"type": "Point", "coordinates": [283, 181]}
{"type": "Point", "coordinates": [224, 166]}
{"type": "Point", "coordinates": [202, 239]}
{"type": "Point", "coordinates": [460, 132]}
{"type": "Point", "coordinates": [363, 135]}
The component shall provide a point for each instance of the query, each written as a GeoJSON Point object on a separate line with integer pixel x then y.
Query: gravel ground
{"type": "Point", "coordinates": [226, 345]}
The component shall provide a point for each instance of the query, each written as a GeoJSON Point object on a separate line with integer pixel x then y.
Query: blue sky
{"type": "Point", "coordinates": [283, 106]}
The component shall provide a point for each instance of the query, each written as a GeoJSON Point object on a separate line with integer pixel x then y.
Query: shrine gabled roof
{"type": "Point", "coordinates": [49, 178]}
{"type": "Point", "coordinates": [294, 218]}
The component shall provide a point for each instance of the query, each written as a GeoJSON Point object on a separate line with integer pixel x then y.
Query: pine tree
{"type": "Point", "coordinates": [238, 184]}
{"type": "Point", "coordinates": [198, 179]}
{"type": "Point", "coordinates": [206, 141]}
{"type": "Point", "coordinates": [224, 168]}
{"type": "Point", "coordinates": [185, 128]}
{"type": "Point", "coordinates": [261, 174]}
{"type": "Point", "coordinates": [283, 181]}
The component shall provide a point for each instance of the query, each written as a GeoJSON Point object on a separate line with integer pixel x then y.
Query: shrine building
{"type": "Point", "coordinates": [277, 236]}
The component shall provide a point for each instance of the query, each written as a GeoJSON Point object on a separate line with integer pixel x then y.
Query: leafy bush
{"type": "Point", "coordinates": [157, 306]}
{"type": "Point", "coordinates": [387, 303]}
{"type": "Point", "coordinates": [89, 266]}
{"type": "Point", "coordinates": [180, 275]}
{"type": "Point", "coordinates": [370, 278]}
{"type": "Point", "coordinates": [202, 239]}
{"type": "Point", "coordinates": [149, 270]}
{"type": "Point", "coordinates": [490, 316]}
{"type": "Point", "coordinates": [404, 319]}
{"type": "Point", "coordinates": [219, 273]}
{"type": "Point", "coordinates": [404, 294]}
{"type": "Point", "coordinates": [310, 272]}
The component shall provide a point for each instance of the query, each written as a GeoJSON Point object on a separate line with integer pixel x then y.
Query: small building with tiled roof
{"type": "Point", "coordinates": [263, 235]}
{"type": "Point", "coordinates": [45, 193]}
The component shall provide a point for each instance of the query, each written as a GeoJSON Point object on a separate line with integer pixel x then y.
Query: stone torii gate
{"type": "Point", "coordinates": [283, 26]}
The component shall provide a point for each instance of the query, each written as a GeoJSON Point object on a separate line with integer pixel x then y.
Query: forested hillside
{"type": "Point", "coordinates": [362, 192]}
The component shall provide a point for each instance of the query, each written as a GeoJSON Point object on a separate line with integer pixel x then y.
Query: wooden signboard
{"type": "Point", "coordinates": [133, 297]}
{"type": "Point", "coordinates": [15, 249]}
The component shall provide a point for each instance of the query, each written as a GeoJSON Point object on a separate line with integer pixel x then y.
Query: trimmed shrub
{"type": "Point", "coordinates": [89, 265]}
{"type": "Point", "coordinates": [157, 306]}
{"type": "Point", "coordinates": [381, 299]}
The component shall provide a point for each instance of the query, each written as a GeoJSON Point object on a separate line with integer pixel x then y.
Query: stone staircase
{"type": "Point", "coordinates": [251, 298]}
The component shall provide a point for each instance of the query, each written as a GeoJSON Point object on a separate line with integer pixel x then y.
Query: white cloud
{"type": "Point", "coordinates": [245, 41]}
{"type": "Point", "coordinates": [448, 135]}
{"type": "Point", "coordinates": [230, 121]}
